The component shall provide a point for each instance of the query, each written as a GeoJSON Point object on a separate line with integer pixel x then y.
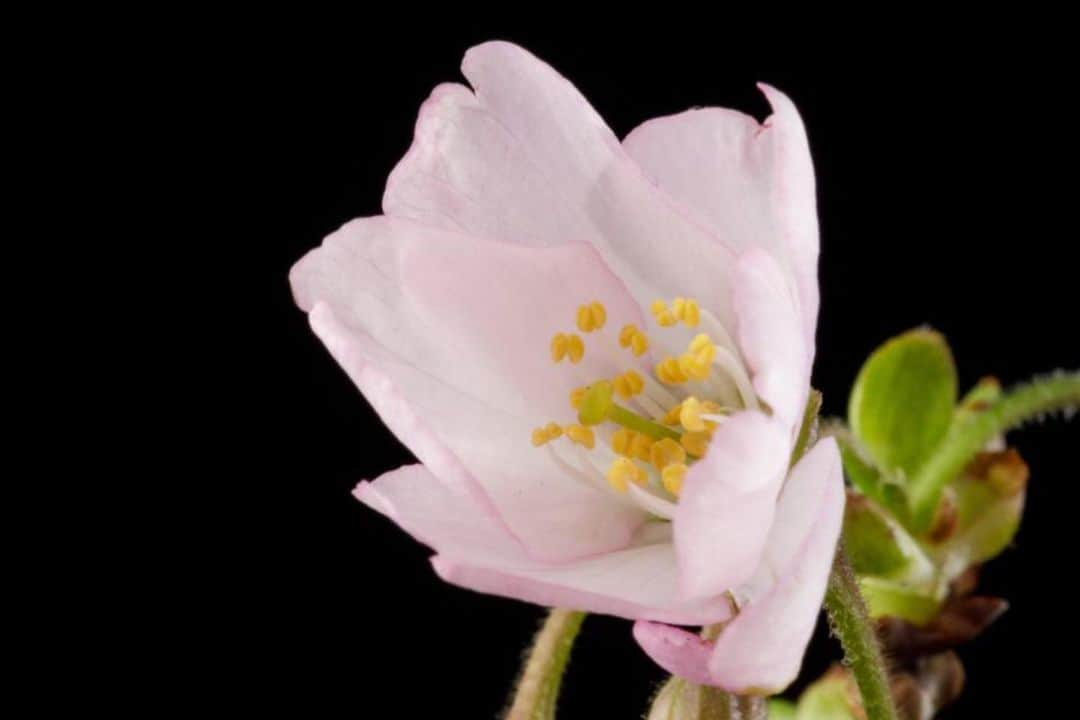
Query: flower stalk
{"type": "Point", "coordinates": [852, 625]}
{"type": "Point", "coordinates": [537, 691]}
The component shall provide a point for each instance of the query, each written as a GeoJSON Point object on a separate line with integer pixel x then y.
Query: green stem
{"type": "Point", "coordinates": [970, 434]}
{"type": "Point", "coordinates": [862, 653]}
{"type": "Point", "coordinates": [538, 689]}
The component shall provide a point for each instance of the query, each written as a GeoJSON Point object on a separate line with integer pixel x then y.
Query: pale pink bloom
{"type": "Point", "coordinates": [516, 206]}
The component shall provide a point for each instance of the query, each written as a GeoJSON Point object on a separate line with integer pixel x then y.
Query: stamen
{"type": "Point", "coordinates": [669, 371]}
{"type": "Point", "coordinates": [567, 345]}
{"type": "Point", "coordinates": [664, 317]}
{"type": "Point", "coordinates": [693, 367]}
{"type": "Point", "coordinates": [544, 435]}
{"type": "Point", "coordinates": [690, 414]}
{"type": "Point", "coordinates": [696, 443]}
{"type": "Point", "coordinates": [575, 349]}
{"type": "Point", "coordinates": [628, 384]}
{"type": "Point", "coordinates": [649, 406]}
{"type": "Point", "coordinates": [711, 325]}
{"type": "Point", "coordinates": [672, 478]}
{"type": "Point", "coordinates": [621, 441]}
{"type": "Point", "coordinates": [682, 309]}
{"type": "Point", "coordinates": [624, 471]}
{"type": "Point", "coordinates": [674, 414]}
{"type": "Point", "coordinates": [581, 435]}
{"type": "Point", "coordinates": [637, 341]}
{"type": "Point", "coordinates": [731, 366]}
{"type": "Point", "coordinates": [667, 452]}
{"type": "Point", "coordinates": [591, 317]}
{"type": "Point", "coordinates": [641, 446]}
{"type": "Point", "coordinates": [658, 506]}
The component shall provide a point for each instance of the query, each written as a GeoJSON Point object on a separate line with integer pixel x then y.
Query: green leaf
{"type": "Point", "coordinates": [903, 400]}
{"type": "Point", "coordinates": [894, 599]}
{"type": "Point", "coordinates": [989, 502]}
{"type": "Point", "coordinates": [878, 545]}
{"type": "Point", "coordinates": [883, 488]}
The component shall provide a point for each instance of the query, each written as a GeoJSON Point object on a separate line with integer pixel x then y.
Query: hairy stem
{"type": "Point", "coordinates": [537, 690]}
{"type": "Point", "coordinates": [862, 653]}
{"type": "Point", "coordinates": [1057, 392]}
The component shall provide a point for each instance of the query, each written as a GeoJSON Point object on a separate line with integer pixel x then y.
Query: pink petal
{"type": "Point", "coordinates": [770, 337]}
{"type": "Point", "coordinates": [526, 160]}
{"type": "Point", "coordinates": [753, 184]}
{"type": "Point", "coordinates": [441, 515]}
{"type": "Point", "coordinates": [448, 338]}
{"type": "Point", "coordinates": [636, 583]}
{"type": "Point", "coordinates": [727, 504]}
{"type": "Point", "coordinates": [681, 653]}
{"type": "Point", "coordinates": [762, 648]}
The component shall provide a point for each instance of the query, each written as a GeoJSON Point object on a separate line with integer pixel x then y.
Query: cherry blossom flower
{"type": "Point", "coordinates": [600, 354]}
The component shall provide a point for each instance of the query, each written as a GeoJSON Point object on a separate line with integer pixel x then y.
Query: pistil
{"type": "Point", "coordinates": [598, 405]}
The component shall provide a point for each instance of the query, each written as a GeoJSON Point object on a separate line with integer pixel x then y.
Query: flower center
{"type": "Point", "coordinates": [651, 426]}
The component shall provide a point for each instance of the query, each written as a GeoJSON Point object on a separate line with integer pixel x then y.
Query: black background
{"type": "Point", "coordinates": [945, 195]}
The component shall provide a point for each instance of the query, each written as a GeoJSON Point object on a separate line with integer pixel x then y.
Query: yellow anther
{"type": "Point", "coordinates": [669, 371]}
{"type": "Point", "coordinates": [568, 346]}
{"type": "Point", "coordinates": [672, 417]}
{"type": "Point", "coordinates": [701, 340]}
{"type": "Point", "coordinates": [575, 348]}
{"type": "Point", "coordinates": [598, 313]}
{"type": "Point", "coordinates": [576, 396]}
{"type": "Point", "coordinates": [664, 316]}
{"type": "Point", "coordinates": [695, 443]}
{"type": "Point", "coordinates": [690, 313]}
{"type": "Point", "coordinates": [666, 452]}
{"type": "Point", "coordinates": [559, 346]}
{"type": "Point", "coordinates": [694, 366]}
{"type": "Point", "coordinates": [672, 478]}
{"type": "Point", "coordinates": [624, 471]}
{"type": "Point", "coordinates": [641, 447]}
{"type": "Point", "coordinates": [684, 309]}
{"type": "Point", "coordinates": [621, 441]}
{"type": "Point", "coordinates": [591, 317]}
{"type": "Point", "coordinates": [690, 414]}
{"type": "Point", "coordinates": [544, 435]}
{"type": "Point", "coordinates": [581, 435]}
{"type": "Point", "coordinates": [628, 384]}
{"type": "Point", "coordinates": [584, 320]}
{"type": "Point", "coordinates": [631, 337]}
